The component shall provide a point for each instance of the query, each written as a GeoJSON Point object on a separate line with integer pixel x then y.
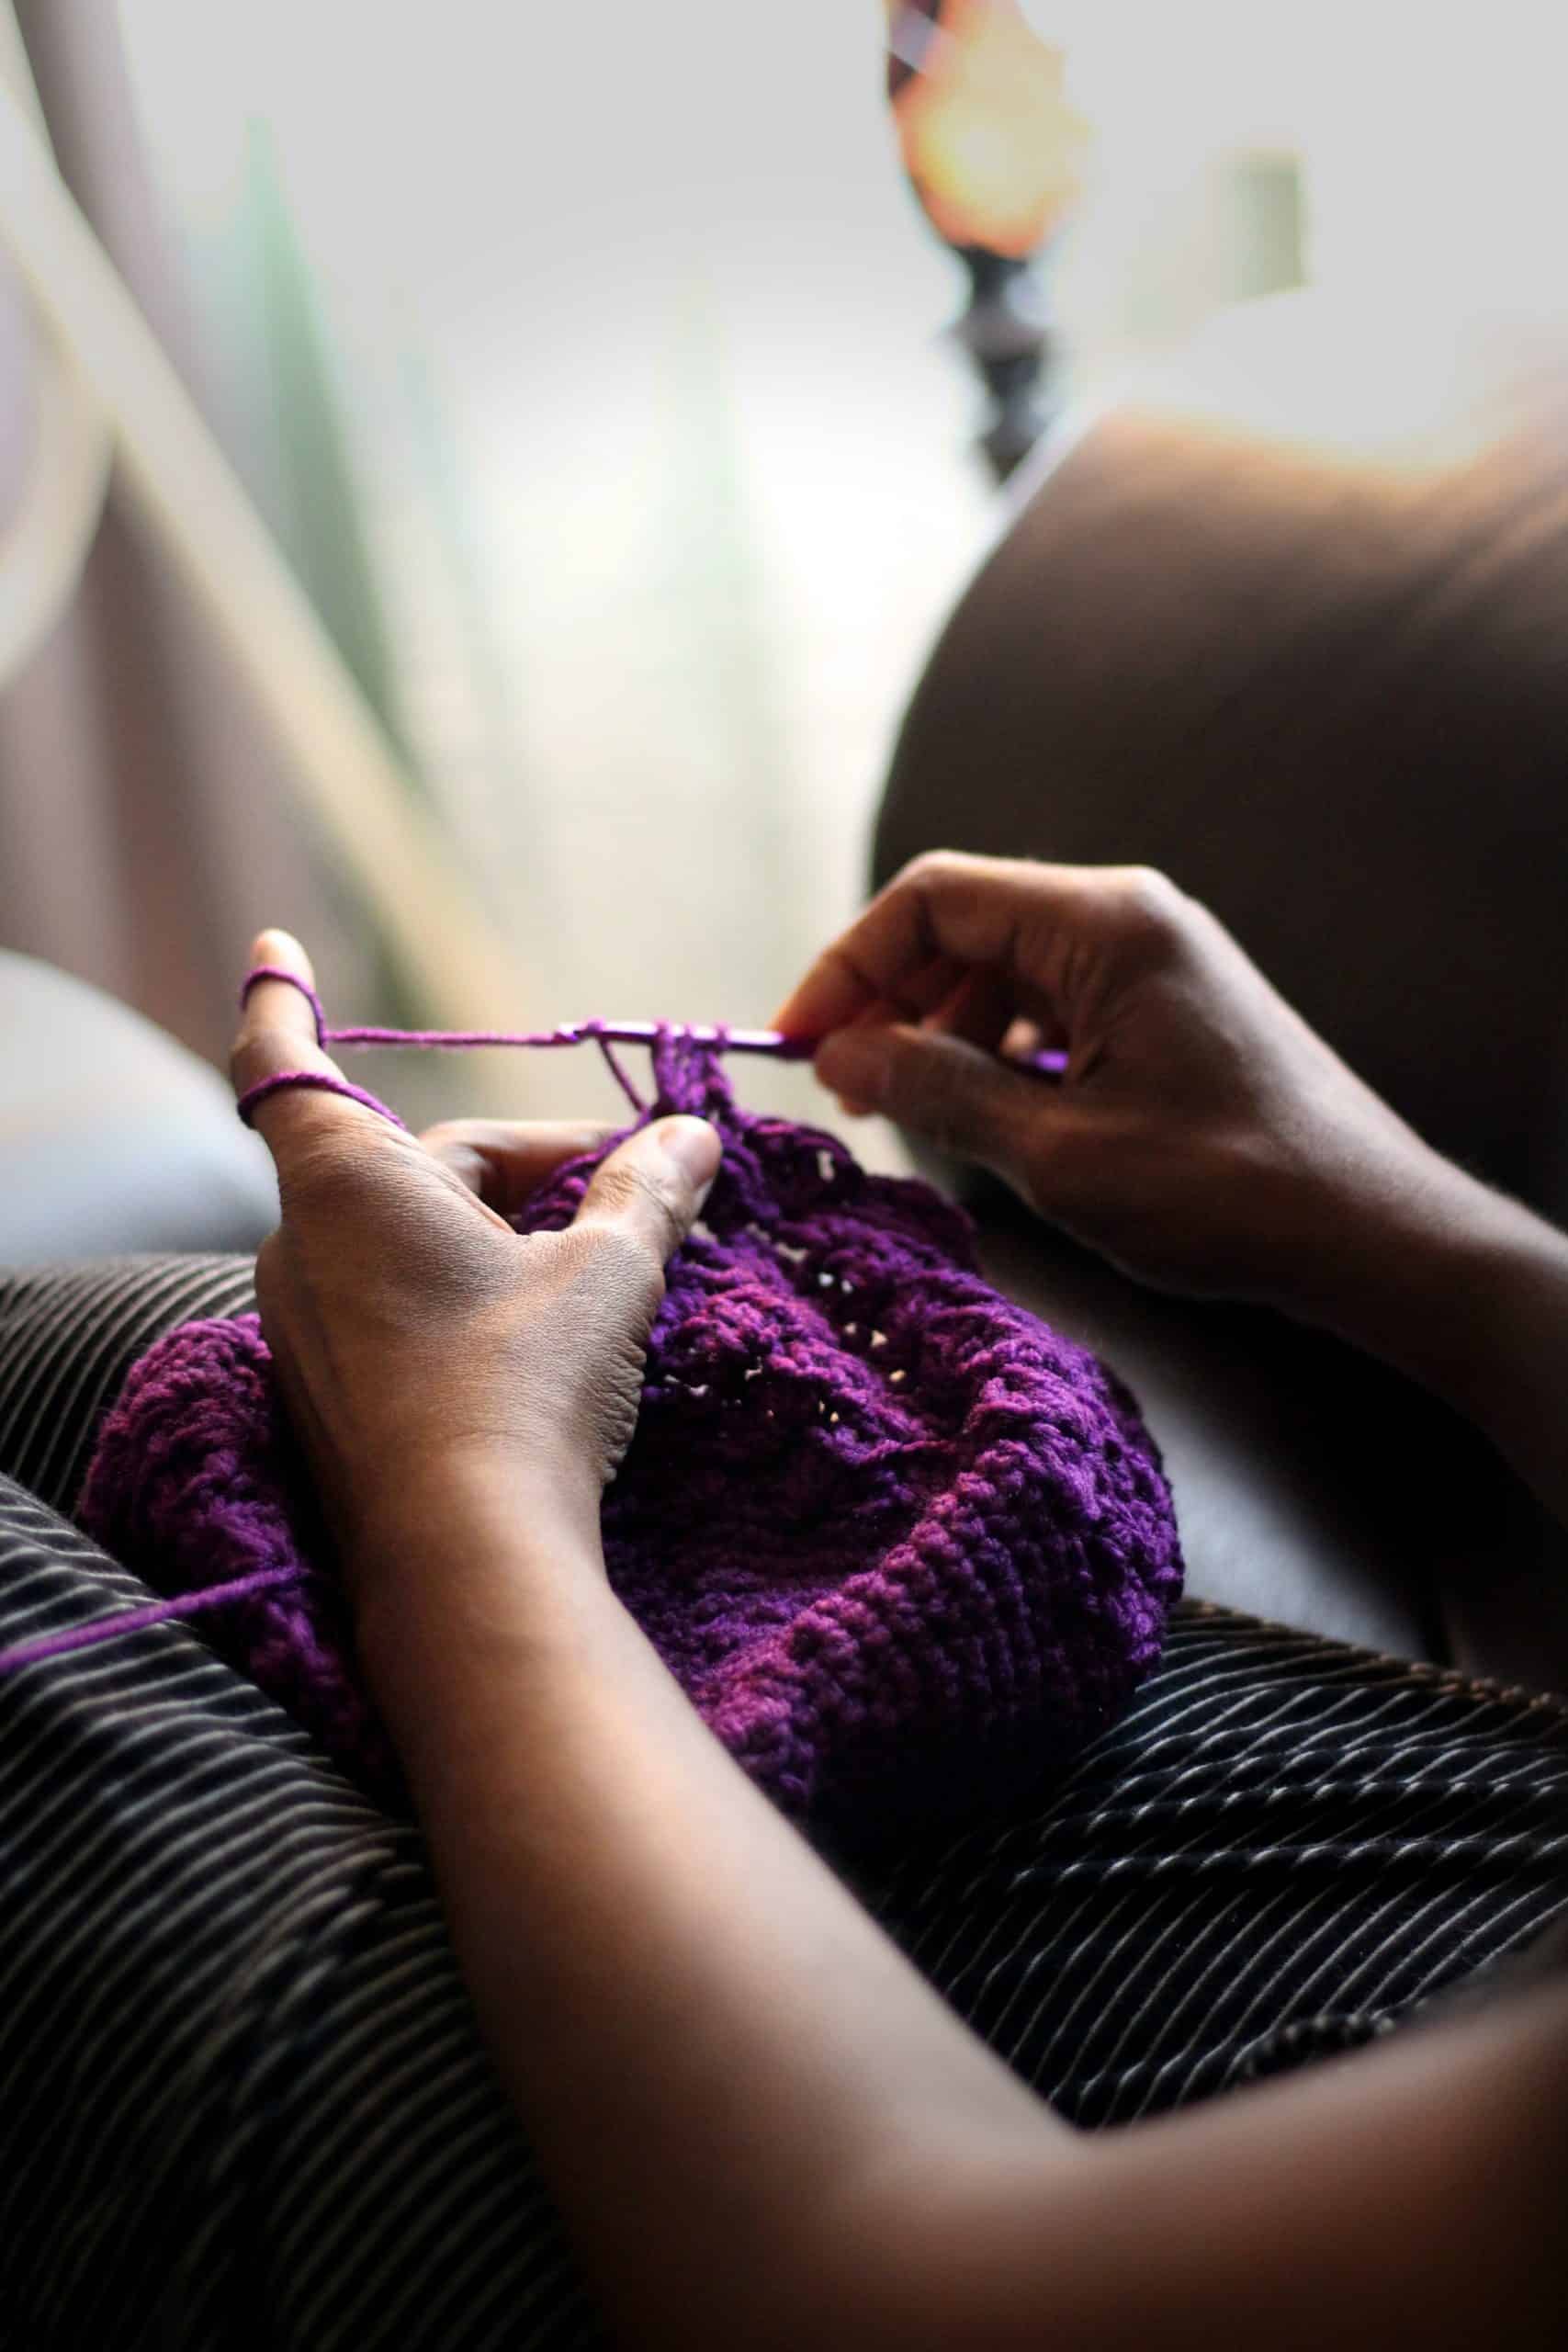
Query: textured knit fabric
{"type": "Point", "coordinates": [901, 1542]}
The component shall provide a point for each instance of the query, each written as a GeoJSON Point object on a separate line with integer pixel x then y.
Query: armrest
{"type": "Point", "coordinates": [1311, 1486]}
{"type": "Point", "coordinates": [1289, 621]}
{"type": "Point", "coordinates": [1283, 1451]}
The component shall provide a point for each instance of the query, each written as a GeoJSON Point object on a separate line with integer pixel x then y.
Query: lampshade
{"type": "Point", "coordinates": [989, 141]}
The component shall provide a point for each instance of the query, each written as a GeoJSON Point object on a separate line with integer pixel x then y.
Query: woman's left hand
{"type": "Point", "coordinates": [416, 1336]}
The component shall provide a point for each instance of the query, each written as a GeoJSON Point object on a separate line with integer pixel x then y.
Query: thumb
{"type": "Point", "coordinates": [956, 1095]}
{"type": "Point", "coordinates": [654, 1185]}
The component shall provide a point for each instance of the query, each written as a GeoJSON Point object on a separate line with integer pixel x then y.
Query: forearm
{"type": "Point", "coordinates": [762, 2127]}
{"type": "Point", "coordinates": [715, 2052]}
{"type": "Point", "coordinates": [1466, 1292]}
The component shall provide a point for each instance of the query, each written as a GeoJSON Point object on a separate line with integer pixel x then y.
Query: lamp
{"type": "Point", "coordinates": [991, 148]}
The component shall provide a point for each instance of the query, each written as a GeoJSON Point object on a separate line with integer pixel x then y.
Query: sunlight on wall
{"type": "Point", "coordinates": [1436, 148]}
{"type": "Point", "coordinates": [1429, 140]}
{"type": "Point", "coordinates": [664, 462]}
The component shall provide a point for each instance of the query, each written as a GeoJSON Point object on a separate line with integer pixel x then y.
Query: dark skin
{"type": "Point", "coordinates": [757, 2121]}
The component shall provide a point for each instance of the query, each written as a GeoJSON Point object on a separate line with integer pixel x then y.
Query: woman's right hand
{"type": "Point", "coordinates": [1201, 1136]}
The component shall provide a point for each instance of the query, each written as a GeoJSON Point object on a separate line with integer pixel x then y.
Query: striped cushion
{"type": "Point", "coordinates": [240, 2090]}
{"type": "Point", "coordinates": [68, 1336]}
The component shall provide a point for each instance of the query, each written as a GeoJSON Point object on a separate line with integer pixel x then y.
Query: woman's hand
{"type": "Point", "coordinates": [415, 1334]}
{"type": "Point", "coordinates": [1202, 1136]}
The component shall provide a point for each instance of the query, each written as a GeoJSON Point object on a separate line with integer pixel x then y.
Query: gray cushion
{"type": "Point", "coordinates": [113, 1137]}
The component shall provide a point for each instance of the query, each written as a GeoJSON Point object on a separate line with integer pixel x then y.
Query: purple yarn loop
{"type": "Point", "coordinates": [278, 972]}
{"type": "Point", "coordinates": [321, 1081]}
{"type": "Point", "coordinates": [904, 1546]}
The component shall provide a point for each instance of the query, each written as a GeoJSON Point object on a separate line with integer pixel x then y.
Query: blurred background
{"type": "Point", "coordinates": [591, 367]}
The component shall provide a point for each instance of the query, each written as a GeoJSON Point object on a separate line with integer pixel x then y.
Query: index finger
{"type": "Point", "coordinates": [278, 1039]}
{"type": "Point", "coordinates": [946, 907]}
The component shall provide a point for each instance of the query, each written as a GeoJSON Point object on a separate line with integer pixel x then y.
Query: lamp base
{"type": "Point", "coordinates": [1008, 333]}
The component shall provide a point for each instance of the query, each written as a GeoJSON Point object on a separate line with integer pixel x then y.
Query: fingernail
{"type": "Point", "coordinates": [853, 1065]}
{"type": "Point", "coordinates": [695, 1150]}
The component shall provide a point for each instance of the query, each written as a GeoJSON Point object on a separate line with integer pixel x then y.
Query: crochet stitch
{"type": "Point", "coordinates": [905, 1547]}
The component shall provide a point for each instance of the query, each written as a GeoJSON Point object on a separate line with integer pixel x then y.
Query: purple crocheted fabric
{"type": "Point", "coordinates": [905, 1547]}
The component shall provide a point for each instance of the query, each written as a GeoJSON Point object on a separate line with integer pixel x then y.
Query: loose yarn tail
{"type": "Point", "coordinates": [131, 1621]}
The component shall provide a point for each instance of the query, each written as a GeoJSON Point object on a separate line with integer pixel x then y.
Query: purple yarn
{"type": "Point", "coordinates": [321, 1082]}
{"type": "Point", "coordinates": [281, 972]}
{"type": "Point", "coordinates": [155, 1612]}
{"type": "Point", "coordinates": [904, 1546]}
{"type": "Point", "coordinates": [605, 1034]}
{"type": "Point", "coordinates": [716, 1033]}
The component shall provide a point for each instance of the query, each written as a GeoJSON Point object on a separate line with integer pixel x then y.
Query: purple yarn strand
{"type": "Point", "coordinates": [712, 1034]}
{"type": "Point", "coordinates": [716, 1037]}
{"type": "Point", "coordinates": [321, 1082]}
{"type": "Point", "coordinates": [618, 1070]}
{"type": "Point", "coordinates": [157, 1612]}
{"type": "Point", "coordinates": [716, 1040]}
{"type": "Point", "coordinates": [276, 972]}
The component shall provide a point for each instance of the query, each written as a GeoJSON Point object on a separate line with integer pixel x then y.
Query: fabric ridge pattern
{"type": "Point", "coordinates": [243, 2095]}
{"type": "Point", "coordinates": [902, 1545]}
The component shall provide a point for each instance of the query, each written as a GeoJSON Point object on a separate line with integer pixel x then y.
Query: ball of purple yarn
{"type": "Point", "coordinates": [905, 1548]}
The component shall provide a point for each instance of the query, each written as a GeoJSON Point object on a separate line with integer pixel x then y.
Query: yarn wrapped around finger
{"type": "Point", "coordinates": [905, 1548]}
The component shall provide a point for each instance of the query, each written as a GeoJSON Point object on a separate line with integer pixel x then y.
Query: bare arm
{"type": "Point", "coordinates": [1466, 1292]}
{"type": "Point", "coordinates": [763, 2127]}
{"type": "Point", "coordinates": [1202, 1137]}
{"type": "Point", "coordinates": [760, 2125]}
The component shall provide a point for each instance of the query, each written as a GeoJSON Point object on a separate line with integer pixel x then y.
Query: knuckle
{"type": "Point", "coordinates": [1149, 896]}
{"type": "Point", "coordinates": [935, 867]}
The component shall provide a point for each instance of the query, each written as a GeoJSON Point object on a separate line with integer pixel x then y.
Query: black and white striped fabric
{"type": "Point", "coordinates": [242, 2097]}
{"type": "Point", "coordinates": [69, 1335]}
